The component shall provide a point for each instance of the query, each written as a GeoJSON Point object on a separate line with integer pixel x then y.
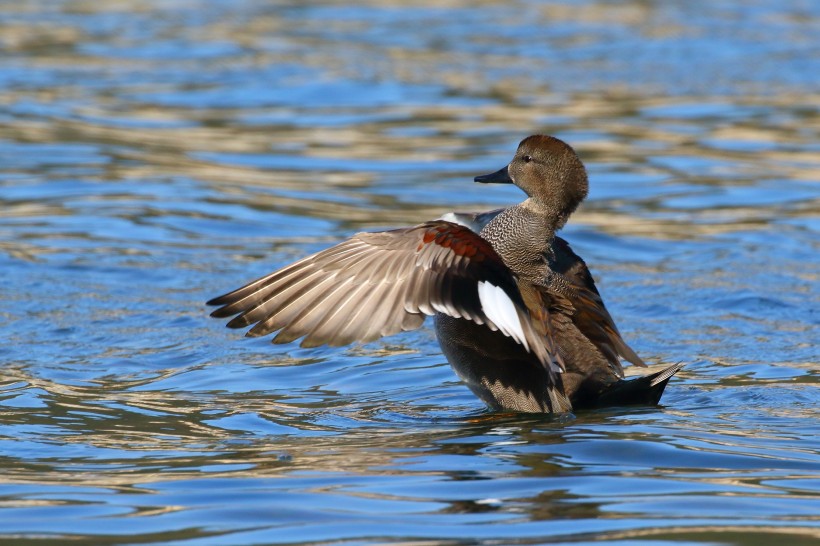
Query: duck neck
{"type": "Point", "coordinates": [545, 216]}
{"type": "Point", "coordinates": [522, 236]}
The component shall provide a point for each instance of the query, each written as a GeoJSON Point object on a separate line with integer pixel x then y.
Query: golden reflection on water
{"type": "Point", "coordinates": [141, 139]}
{"type": "Point", "coordinates": [159, 153]}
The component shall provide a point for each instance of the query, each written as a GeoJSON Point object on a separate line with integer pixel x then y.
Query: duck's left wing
{"type": "Point", "coordinates": [378, 284]}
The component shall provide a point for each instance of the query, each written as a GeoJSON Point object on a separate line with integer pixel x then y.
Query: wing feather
{"type": "Point", "coordinates": [378, 284]}
{"type": "Point", "coordinates": [576, 288]}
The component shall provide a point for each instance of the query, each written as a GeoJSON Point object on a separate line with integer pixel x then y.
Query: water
{"type": "Point", "coordinates": [156, 154]}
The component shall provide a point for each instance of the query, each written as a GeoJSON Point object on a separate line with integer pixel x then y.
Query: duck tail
{"type": "Point", "coordinates": [645, 390]}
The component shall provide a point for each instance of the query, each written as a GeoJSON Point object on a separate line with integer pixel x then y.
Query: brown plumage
{"type": "Point", "coordinates": [517, 312]}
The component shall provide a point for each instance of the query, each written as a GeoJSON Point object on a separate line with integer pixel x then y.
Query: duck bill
{"type": "Point", "coordinates": [501, 176]}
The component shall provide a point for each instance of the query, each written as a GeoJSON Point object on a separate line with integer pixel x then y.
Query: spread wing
{"type": "Point", "coordinates": [589, 314]}
{"type": "Point", "coordinates": [378, 284]}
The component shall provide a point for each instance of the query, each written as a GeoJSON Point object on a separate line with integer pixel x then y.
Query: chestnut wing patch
{"type": "Point", "coordinates": [378, 284]}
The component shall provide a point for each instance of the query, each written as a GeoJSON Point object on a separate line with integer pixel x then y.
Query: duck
{"type": "Point", "coordinates": [516, 311]}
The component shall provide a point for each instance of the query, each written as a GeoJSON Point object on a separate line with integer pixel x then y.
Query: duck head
{"type": "Point", "coordinates": [551, 174]}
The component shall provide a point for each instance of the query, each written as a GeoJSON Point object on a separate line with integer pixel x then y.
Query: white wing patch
{"type": "Point", "coordinates": [474, 221]}
{"type": "Point", "coordinates": [459, 219]}
{"type": "Point", "coordinates": [500, 309]}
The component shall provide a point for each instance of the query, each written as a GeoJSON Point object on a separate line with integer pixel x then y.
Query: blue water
{"type": "Point", "coordinates": [156, 154]}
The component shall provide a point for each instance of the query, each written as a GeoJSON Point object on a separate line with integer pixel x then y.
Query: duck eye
{"type": "Point", "coordinates": [527, 158]}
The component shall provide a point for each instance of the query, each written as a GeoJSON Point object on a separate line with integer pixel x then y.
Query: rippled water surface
{"type": "Point", "coordinates": [155, 154]}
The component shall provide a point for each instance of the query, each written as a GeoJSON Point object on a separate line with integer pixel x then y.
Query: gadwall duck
{"type": "Point", "coordinates": [517, 313]}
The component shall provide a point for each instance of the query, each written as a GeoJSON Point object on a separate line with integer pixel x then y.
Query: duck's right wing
{"type": "Point", "coordinates": [472, 220]}
{"type": "Point", "coordinates": [378, 284]}
{"type": "Point", "coordinates": [589, 313]}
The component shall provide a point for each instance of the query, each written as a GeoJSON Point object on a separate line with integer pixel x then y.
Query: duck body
{"type": "Point", "coordinates": [505, 377]}
{"type": "Point", "coordinates": [517, 313]}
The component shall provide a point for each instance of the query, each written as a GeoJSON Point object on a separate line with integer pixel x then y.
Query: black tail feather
{"type": "Point", "coordinates": [645, 390]}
